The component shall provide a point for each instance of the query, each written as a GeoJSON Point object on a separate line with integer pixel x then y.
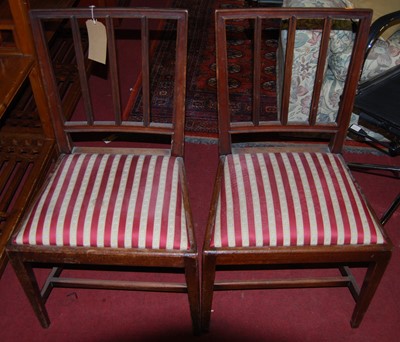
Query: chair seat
{"type": "Point", "coordinates": [108, 200]}
{"type": "Point", "coordinates": [291, 199]}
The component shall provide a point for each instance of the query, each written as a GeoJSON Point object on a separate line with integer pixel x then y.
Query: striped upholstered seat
{"type": "Point", "coordinates": [291, 199]}
{"type": "Point", "coordinates": [107, 200]}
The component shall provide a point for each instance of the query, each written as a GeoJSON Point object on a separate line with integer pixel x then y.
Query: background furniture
{"type": "Point", "coordinates": [377, 104]}
{"type": "Point", "coordinates": [289, 205]}
{"type": "Point", "coordinates": [383, 55]}
{"type": "Point", "coordinates": [26, 135]}
{"type": "Point", "coordinates": [266, 3]}
{"type": "Point", "coordinates": [111, 206]}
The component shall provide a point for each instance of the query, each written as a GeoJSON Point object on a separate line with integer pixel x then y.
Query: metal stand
{"type": "Point", "coordinates": [265, 3]}
{"type": "Point", "coordinates": [377, 167]}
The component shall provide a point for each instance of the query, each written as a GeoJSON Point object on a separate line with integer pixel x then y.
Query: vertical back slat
{"type": "Point", "coordinates": [257, 71]}
{"type": "Point", "coordinates": [6, 171]}
{"type": "Point", "coordinates": [320, 72]}
{"type": "Point", "coordinates": [145, 71]}
{"type": "Point", "coordinates": [179, 110]}
{"type": "Point", "coordinates": [288, 70]}
{"type": "Point", "coordinates": [49, 81]}
{"type": "Point", "coordinates": [80, 61]}
{"type": "Point", "coordinates": [350, 88]}
{"type": "Point", "coordinates": [12, 187]}
{"type": "Point", "coordinates": [222, 86]}
{"type": "Point", "coordinates": [115, 86]}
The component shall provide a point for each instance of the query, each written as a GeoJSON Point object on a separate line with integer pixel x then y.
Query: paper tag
{"type": "Point", "coordinates": [356, 128]}
{"type": "Point", "coordinates": [110, 138]}
{"type": "Point", "coordinates": [97, 41]}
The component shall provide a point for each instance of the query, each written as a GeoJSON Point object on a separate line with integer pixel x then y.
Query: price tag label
{"type": "Point", "coordinates": [97, 41]}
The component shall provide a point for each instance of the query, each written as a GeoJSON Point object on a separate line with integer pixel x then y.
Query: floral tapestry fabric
{"type": "Point", "coordinates": [384, 55]}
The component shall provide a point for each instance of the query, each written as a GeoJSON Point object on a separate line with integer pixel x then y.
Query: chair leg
{"type": "Point", "coordinates": [371, 281]}
{"type": "Point", "coordinates": [208, 277]}
{"type": "Point", "coordinates": [193, 288]}
{"type": "Point", "coordinates": [29, 284]}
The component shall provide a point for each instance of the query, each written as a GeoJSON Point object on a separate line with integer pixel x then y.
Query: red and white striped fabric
{"type": "Point", "coordinates": [291, 199]}
{"type": "Point", "coordinates": [100, 200]}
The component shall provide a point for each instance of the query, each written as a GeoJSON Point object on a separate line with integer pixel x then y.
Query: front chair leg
{"type": "Point", "coordinates": [193, 288]}
{"type": "Point", "coordinates": [29, 283]}
{"type": "Point", "coordinates": [370, 284]}
{"type": "Point", "coordinates": [208, 277]}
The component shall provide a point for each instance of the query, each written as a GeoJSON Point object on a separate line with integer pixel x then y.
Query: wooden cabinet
{"type": "Point", "coordinates": [27, 143]}
{"type": "Point", "coordinates": [26, 135]}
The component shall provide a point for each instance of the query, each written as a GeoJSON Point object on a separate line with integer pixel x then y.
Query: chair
{"type": "Point", "coordinates": [112, 205]}
{"type": "Point", "coordinates": [377, 105]}
{"type": "Point", "coordinates": [283, 195]}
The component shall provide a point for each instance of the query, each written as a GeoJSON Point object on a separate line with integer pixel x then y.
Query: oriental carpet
{"type": "Point", "coordinates": [201, 103]}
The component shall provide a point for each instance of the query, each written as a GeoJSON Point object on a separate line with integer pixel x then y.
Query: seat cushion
{"type": "Point", "coordinates": [101, 200]}
{"type": "Point", "coordinates": [317, 3]}
{"type": "Point", "coordinates": [291, 199]}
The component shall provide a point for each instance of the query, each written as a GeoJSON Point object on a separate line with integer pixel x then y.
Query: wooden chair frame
{"type": "Point", "coordinates": [25, 257]}
{"type": "Point", "coordinates": [374, 257]}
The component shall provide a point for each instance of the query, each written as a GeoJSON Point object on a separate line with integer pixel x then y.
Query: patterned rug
{"type": "Point", "coordinates": [201, 103]}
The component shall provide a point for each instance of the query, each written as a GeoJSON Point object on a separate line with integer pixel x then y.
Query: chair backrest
{"type": "Point", "coordinates": [242, 112]}
{"type": "Point", "coordinates": [90, 97]}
